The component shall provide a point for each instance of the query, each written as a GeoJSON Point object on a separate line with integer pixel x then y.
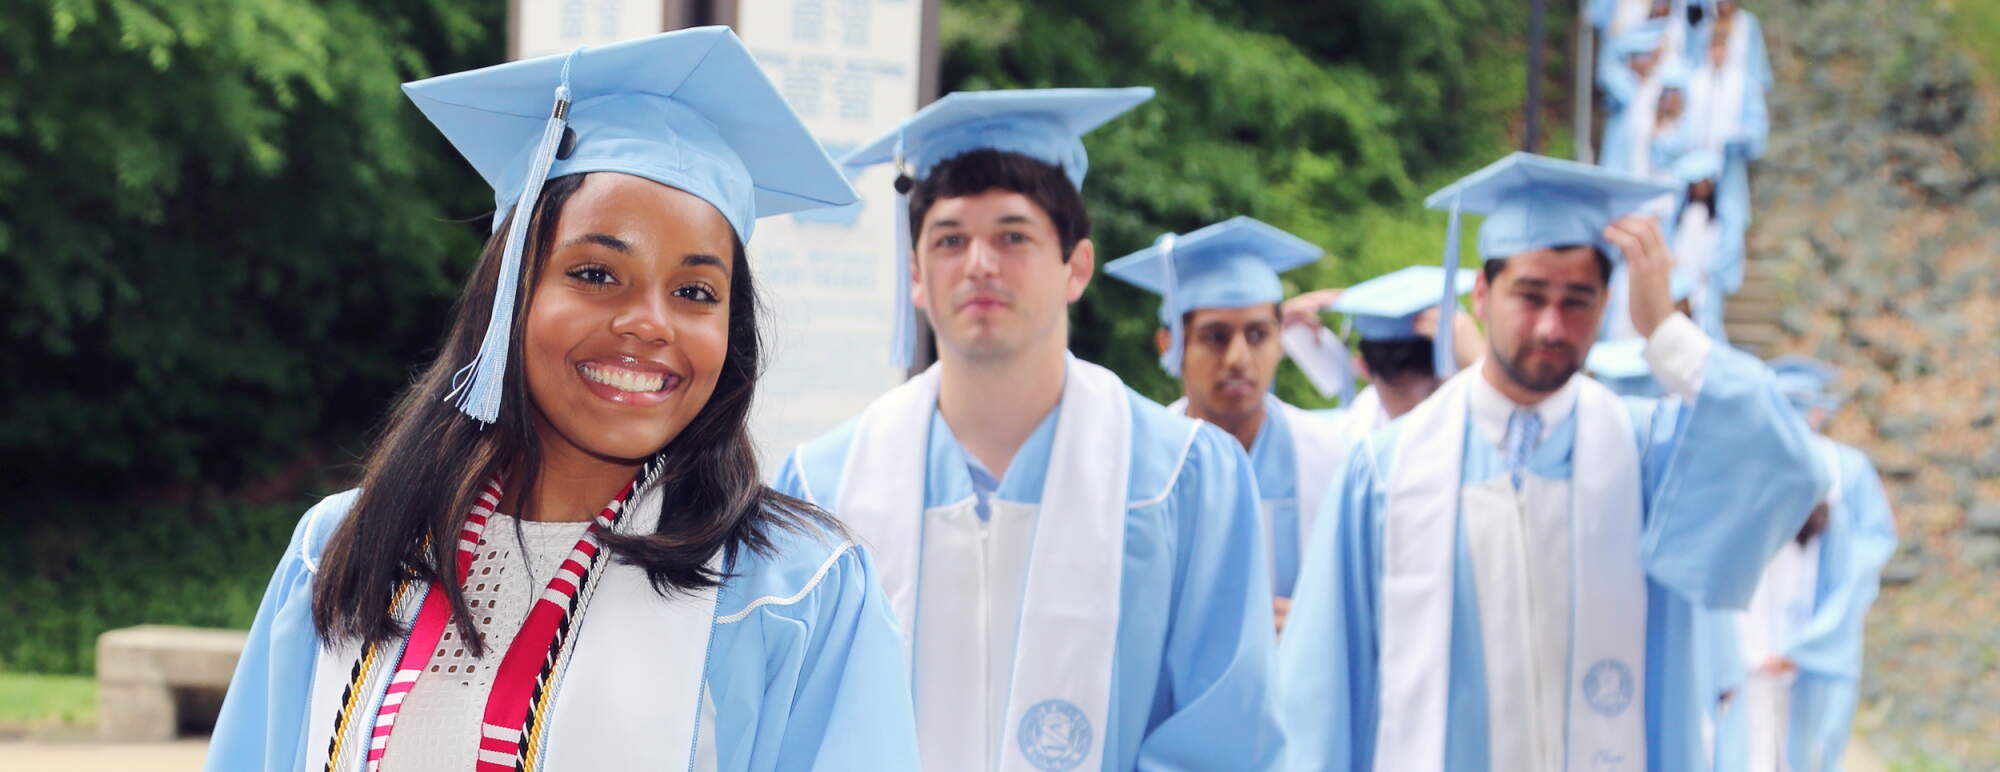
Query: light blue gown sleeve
{"type": "Point", "coordinates": [1615, 78]}
{"type": "Point", "coordinates": [1326, 672]}
{"type": "Point", "coordinates": [836, 691]}
{"type": "Point", "coordinates": [1618, 85]}
{"type": "Point", "coordinates": [1858, 541]}
{"type": "Point", "coordinates": [1734, 219]}
{"type": "Point", "coordinates": [1760, 59]}
{"type": "Point", "coordinates": [1728, 478]}
{"type": "Point", "coordinates": [791, 480]}
{"type": "Point", "coordinates": [1753, 123]}
{"type": "Point", "coordinates": [263, 718]}
{"type": "Point", "coordinates": [1219, 712]}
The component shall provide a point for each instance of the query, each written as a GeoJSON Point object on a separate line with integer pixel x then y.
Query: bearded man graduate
{"type": "Point", "coordinates": [1080, 572]}
{"type": "Point", "coordinates": [1511, 574]}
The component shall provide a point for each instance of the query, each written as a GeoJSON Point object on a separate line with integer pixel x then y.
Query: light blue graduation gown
{"type": "Point", "coordinates": [1708, 532]}
{"type": "Point", "coordinates": [1621, 86]}
{"type": "Point", "coordinates": [1273, 456]}
{"type": "Point", "coordinates": [805, 667]}
{"type": "Point", "coordinates": [1860, 537]}
{"type": "Point", "coordinates": [1754, 129]}
{"type": "Point", "coordinates": [1725, 268]}
{"type": "Point", "coordinates": [1758, 59]}
{"type": "Point", "coordinates": [1190, 673]}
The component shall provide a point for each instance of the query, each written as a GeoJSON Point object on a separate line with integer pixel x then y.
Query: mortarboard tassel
{"type": "Point", "coordinates": [903, 339]}
{"type": "Point", "coordinates": [1443, 358]}
{"type": "Point", "coordinates": [476, 387]}
{"type": "Point", "coordinates": [1170, 360]}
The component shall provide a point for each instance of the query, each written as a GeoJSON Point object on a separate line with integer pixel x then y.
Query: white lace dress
{"type": "Point", "coordinates": [438, 728]}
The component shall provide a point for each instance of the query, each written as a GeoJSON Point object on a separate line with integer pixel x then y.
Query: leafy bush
{"type": "Point", "coordinates": [103, 566]}
{"type": "Point", "coordinates": [222, 228]}
{"type": "Point", "coordinates": [1330, 120]}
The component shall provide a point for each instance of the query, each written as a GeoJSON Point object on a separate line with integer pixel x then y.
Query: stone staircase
{"type": "Point", "coordinates": [1751, 315]}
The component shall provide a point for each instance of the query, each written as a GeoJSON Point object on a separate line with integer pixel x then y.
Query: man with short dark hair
{"type": "Point", "coordinates": [1219, 335]}
{"type": "Point", "coordinates": [1079, 573]}
{"type": "Point", "coordinates": [1513, 574]}
{"type": "Point", "coordinates": [1394, 318]}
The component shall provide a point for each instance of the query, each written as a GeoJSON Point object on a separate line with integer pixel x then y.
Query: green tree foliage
{"type": "Point", "coordinates": [222, 228]}
{"type": "Point", "coordinates": [1329, 119]}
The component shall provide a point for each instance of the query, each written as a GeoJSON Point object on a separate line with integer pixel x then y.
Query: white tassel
{"type": "Point", "coordinates": [477, 387]}
{"type": "Point", "coordinates": [903, 339]}
{"type": "Point", "coordinates": [1170, 360]}
{"type": "Point", "coordinates": [1443, 359]}
{"type": "Point", "coordinates": [903, 334]}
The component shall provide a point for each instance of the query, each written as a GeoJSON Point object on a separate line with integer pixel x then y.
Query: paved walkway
{"type": "Point", "coordinates": [76, 756]}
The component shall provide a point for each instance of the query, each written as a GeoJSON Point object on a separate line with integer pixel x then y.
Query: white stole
{"type": "Point", "coordinates": [1366, 414]}
{"type": "Point", "coordinates": [1768, 627]}
{"type": "Point", "coordinates": [1643, 113]}
{"type": "Point", "coordinates": [1606, 718]}
{"type": "Point", "coordinates": [631, 684]}
{"type": "Point", "coordinates": [1059, 695]}
{"type": "Point", "coordinates": [1319, 452]}
{"type": "Point", "coordinates": [1715, 92]}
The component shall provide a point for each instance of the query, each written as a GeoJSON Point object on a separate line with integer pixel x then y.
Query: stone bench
{"type": "Point", "coordinates": [153, 680]}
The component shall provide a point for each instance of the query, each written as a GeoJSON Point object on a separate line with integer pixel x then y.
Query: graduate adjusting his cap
{"type": "Point", "coordinates": [1080, 572]}
{"type": "Point", "coordinates": [742, 633]}
{"type": "Point", "coordinates": [1509, 575]}
{"type": "Point", "coordinates": [1220, 324]}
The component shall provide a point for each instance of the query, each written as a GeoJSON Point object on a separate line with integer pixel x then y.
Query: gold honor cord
{"type": "Point", "coordinates": [351, 697]}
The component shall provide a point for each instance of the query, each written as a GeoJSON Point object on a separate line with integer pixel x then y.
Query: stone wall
{"type": "Point", "coordinates": [1878, 220]}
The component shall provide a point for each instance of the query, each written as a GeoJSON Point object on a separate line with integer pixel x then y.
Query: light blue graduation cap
{"type": "Point", "coordinates": [1230, 264]}
{"type": "Point", "coordinates": [1044, 124]}
{"type": "Point", "coordinates": [1532, 202]}
{"type": "Point", "coordinates": [1806, 382]}
{"type": "Point", "coordinates": [1675, 75]}
{"type": "Point", "coordinates": [687, 109]}
{"type": "Point", "coordinates": [1386, 307]}
{"type": "Point", "coordinates": [1645, 38]}
{"type": "Point", "coordinates": [1697, 165]}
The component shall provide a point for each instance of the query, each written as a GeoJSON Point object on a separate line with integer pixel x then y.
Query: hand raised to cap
{"type": "Point", "coordinates": [1305, 308]}
{"type": "Point", "coordinates": [1649, 268]}
{"type": "Point", "coordinates": [1468, 343]}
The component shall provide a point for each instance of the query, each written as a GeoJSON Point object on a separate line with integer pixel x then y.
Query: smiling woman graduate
{"type": "Point", "coordinates": [561, 555]}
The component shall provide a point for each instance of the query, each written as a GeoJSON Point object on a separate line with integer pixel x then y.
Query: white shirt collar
{"type": "Point", "coordinates": [1490, 408]}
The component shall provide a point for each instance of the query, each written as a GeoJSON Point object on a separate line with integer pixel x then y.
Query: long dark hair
{"type": "Point", "coordinates": [426, 468]}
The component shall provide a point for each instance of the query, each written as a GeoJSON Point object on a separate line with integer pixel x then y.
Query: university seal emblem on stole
{"type": "Point", "coordinates": [1607, 686]}
{"type": "Point", "coordinates": [1055, 735]}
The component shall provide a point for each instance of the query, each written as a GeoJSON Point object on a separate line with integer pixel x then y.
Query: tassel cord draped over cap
{"type": "Point", "coordinates": [903, 337]}
{"type": "Point", "coordinates": [477, 386]}
{"type": "Point", "coordinates": [1170, 360]}
{"type": "Point", "coordinates": [688, 109]}
{"type": "Point", "coordinates": [1443, 359]}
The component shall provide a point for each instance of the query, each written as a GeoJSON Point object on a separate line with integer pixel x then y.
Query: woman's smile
{"type": "Point", "coordinates": [628, 381]}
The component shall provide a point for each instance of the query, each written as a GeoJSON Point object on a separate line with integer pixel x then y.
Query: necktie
{"type": "Point", "coordinates": [1524, 429]}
